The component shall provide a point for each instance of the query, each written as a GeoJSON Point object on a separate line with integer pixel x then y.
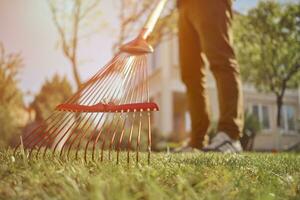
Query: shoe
{"type": "Point", "coordinates": [223, 143]}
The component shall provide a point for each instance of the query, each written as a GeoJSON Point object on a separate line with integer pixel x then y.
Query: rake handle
{"type": "Point", "coordinates": [153, 18]}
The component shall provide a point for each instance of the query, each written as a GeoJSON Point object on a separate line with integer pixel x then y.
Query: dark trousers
{"type": "Point", "coordinates": [205, 30]}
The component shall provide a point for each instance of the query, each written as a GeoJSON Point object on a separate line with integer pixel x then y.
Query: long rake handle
{"type": "Point", "coordinates": [153, 18]}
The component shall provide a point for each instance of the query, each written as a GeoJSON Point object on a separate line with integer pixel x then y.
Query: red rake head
{"type": "Point", "coordinates": [106, 115]}
{"type": "Point", "coordinates": [110, 107]}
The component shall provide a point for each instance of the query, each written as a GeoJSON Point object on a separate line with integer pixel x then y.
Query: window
{"type": "Point", "coordinates": [261, 112]}
{"type": "Point", "coordinates": [255, 111]}
{"type": "Point", "coordinates": [288, 118]}
{"type": "Point", "coordinates": [265, 117]}
{"type": "Point", "coordinates": [290, 114]}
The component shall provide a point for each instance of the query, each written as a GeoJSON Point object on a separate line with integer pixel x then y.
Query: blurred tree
{"type": "Point", "coordinates": [52, 93]}
{"type": "Point", "coordinates": [132, 16]}
{"type": "Point", "coordinates": [72, 19]}
{"type": "Point", "coordinates": [268, 46]}
{"type": "Point", "coordinates": [11, 98]}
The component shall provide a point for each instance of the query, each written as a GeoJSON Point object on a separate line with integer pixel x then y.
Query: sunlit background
{"type": "Point", "coordinates": [27, 27]}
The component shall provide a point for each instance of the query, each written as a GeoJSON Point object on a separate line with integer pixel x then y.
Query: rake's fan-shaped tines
{"type": "Point", "coordinates": [106, 115]}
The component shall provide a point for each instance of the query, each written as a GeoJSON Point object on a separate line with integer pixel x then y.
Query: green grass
{"type": "Point", "coordinates": [170, 176]}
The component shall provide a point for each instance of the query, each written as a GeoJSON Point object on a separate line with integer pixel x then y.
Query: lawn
{"type": "Point", "coordinates": [169, 176]}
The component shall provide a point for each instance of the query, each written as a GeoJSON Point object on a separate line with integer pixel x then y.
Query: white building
{"type": "Point", "coordinates": [173, 119]}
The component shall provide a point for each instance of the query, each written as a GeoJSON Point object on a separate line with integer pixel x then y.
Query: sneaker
{"type": "Point", "coordinates": [223, 143]}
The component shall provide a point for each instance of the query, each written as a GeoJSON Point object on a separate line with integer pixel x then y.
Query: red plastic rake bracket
{"type": "Point", "coordinates": [100, 107]}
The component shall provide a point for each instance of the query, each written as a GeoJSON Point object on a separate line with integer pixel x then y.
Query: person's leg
{"type": "Point", "coordinates": [193, 76]}
{"type": "Point", "coordinates": [212, 19]}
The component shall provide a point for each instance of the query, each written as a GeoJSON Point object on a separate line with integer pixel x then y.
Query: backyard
{"type": "Point", "coordinates": [169, 176]}
{"type": "Point", "coordinates": [58, 93]}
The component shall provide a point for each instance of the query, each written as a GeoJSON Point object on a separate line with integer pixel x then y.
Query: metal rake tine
{"type": "Point", "coordinates": [101, 156]}
{"type": "Point", "coordinates": [130, 138]}
{"type": "Point", "coordinates": [47, 136]}
{"type": "Point", "coordinates": [97, 76]}
{"type": "Point", "coordinates": [40, 136]}
{"type": "Point", "coordinates": [121, 139]}
{"type": "Point", "coordinates": [133, 95]}
{"type": "Point", "coordinates": [91, 101]}
{"type": "Point", "coordinates": [134, 89]}
{"type": "Point", "coordinates": [149, 137]}
{"type": "Point", "coordinates": [92, 89]}
{"type": "Point", "coordinates": [109, 130]}
{"type": "Point", "coordinates": [136, 63]}
{"type": "Point", "coordinates": [64, 134]}
{"type": "Point", "coordinates": [99, 134]}
{"type": "Point", "coordinates": [146, 90]}
{"type": "Point", "coordinates": [126, 73]}
{"type": "Point", "coordinates": [128, 70]}
{"type": "Point", "coordinates": [91, 137]}
{"type": "Point", "coordinates": [97, 139]}
{"type": "Point", "coordinates": [83, 135]}
{"type": "Point", "coordinates": [113, 136]}
{"type": "Point", "coordinates": [138, 138]}
{"type": "Point", "coordinates": [111, 142]}
{"type": "Point", "coordinates": [86, 147]}
{"type": "Point", "coordinates": [33, 134]}
{"type": "Point", "coordinates": [85, 92]}
{"type": "Point", "coordinates": [77, 124]}
{"type": "Point", "coordinates": [52, 136]}
{"type": "Point", "coordinates": [140, 117]}
{"type": "Point", "coordinates": [103, 143]}
{"type": "Point", "coordinates": [110, 80]}
{"type": "Point", "coordinates": [149, 119]}
{"type": "Point", "coordinates": [121, 136]}
{"type": "Point", "coordinates": [130, 83]}
{"type": "Point", "coordinates": [78, 134]}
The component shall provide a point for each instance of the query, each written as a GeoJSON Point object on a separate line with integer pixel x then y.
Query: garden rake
{"type": "Point", "coordinates": [106, 116]}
